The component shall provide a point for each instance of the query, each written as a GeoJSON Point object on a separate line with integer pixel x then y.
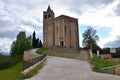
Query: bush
{"type": "Point", "coordinates": [8, 61]}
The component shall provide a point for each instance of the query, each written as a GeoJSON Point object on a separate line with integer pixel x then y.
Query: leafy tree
{"type": "Point", "coordinates": [13, 48]}
{"type": "Point", "coordinates": [90, 38]}
{"type": "Point", "coordinates": [106, 50]}
{"type": "Point", "coordinates": [22, 43]}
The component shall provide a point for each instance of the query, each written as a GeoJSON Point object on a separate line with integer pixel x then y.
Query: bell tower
{"type": "Point", "coordinates": [48, 28]}
{"type": "Point", "coordinates": [49, 14]}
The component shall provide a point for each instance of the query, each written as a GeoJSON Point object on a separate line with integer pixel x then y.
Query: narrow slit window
{"type": "Point", "coordinates": [57, 29]}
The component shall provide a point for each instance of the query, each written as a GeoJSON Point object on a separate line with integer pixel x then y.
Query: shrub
{"type": "Point", "coordinates": [8, 61]}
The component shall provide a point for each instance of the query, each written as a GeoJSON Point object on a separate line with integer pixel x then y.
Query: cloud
{"type": "Point", "coordinates": [14, 19]}
{"type": "Point", "coordinates": [27, 15]}
{"type": "Point", "coordinates": [114, 44]}
{"type": "Point", "coordinates": [79, 6]}
{"type": "Point", "coordinates": [103, 17]}
{"type": "Point", "coordinates": [23, 3]}
{"type": "Point", "coordinates": [5, 44]}
{"type": "Point", "coordinates": [8, 29]}
{"type": "Point", "coordinates": [117, 10]}
{"type": "Point", "coordinates": [8, 34]}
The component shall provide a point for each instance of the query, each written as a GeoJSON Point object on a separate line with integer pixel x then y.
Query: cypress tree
{"type": "Point", "coordinates": [40, 44]}
{"type": "Point", "coordinates": [34, 40]}
{"type": "Point", "coordinates": [37, 43]}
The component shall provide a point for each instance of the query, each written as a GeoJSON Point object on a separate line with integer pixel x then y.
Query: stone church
{"type": "Point", "coordinates": [61, 31]}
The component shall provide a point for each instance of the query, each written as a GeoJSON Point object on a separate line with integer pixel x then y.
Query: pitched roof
{"type": "Point", "coordinates": [65, 16]}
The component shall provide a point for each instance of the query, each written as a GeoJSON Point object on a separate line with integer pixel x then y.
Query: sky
{"type": "Point", "coordinates": [27, 15]}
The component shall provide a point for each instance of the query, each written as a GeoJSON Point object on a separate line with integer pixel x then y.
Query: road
{"type": "Point", "coordinates": [57, 68]}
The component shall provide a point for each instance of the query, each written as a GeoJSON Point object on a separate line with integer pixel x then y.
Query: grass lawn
{"type": "Point", "coordinates": [99, 63]}
{"type": "Point", "coordinates": [12, 72]}
{"type": "Point", "coordinates": [41, 50]}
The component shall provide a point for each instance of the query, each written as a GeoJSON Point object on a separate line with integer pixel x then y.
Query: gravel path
{"type": "Point", "coordinates": [57, 68]}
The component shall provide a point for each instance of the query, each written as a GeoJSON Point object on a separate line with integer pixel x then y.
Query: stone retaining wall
{"type": "Point", "coordinates": [32, 67]}
{"type": "Point", "coordinates": [113, 69]}
{"type": "Point", "coordinates": [86, 54]}
{"type": "Point", "coordinates": [117, 69]}
{"type": "Point", "coordinates": [115, 59]}
{"type": "Point", "coordinates": [29, 55]}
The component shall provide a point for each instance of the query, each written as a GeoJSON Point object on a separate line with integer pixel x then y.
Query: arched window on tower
{"type": "Point", "coordinates": [49, 16]}
{"type": "Point", "coordinates": [57, 29]}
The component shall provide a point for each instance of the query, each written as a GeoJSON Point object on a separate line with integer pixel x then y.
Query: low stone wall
{"type": "Point", "coordinates": [113, 69]}
{"type": "Point", "coordinates": [117, 69]}
{"type": "Point", "coordinates": [106, 56]}
{"type": "Point", "coordinates": [86, 54]}
{"type": "Point", "coordinates": [32, 67]}
{"type": "Point", "coordinates": [29, 56]}
{"type": "Point", "coordinates": [114, 59]}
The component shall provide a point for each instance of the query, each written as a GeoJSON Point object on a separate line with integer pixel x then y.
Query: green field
{"type": "Point", "coordinates": [12, 72]}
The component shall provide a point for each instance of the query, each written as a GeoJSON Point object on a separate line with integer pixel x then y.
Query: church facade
{"type": "Point", "coordinates": [61, 31]}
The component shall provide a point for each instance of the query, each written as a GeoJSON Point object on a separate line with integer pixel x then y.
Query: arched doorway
{"type": "Point", "coordinates": [61, 43]}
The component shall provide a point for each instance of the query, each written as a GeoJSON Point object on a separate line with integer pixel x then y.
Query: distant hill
{"type": "Point", "coordinates": [5, 53]}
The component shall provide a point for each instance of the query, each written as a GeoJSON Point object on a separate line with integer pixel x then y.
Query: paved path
{"type": "Point", "coordinates": [33, 51]}
{"type": "Point", "coordinates": [57, 68]}
{"type": "Point", "coordinates": [29, 54]}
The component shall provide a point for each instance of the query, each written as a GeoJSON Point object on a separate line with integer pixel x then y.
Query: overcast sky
{"type": "Point", "coordinates": [26, 15]}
